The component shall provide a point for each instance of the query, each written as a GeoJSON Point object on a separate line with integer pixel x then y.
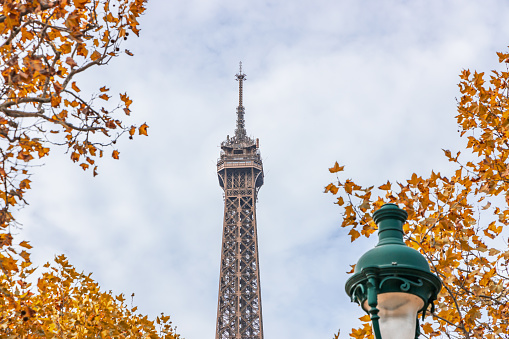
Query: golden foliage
{"type": "Point", "coordinates": [69, 304]}
{"type": "Point", "coordinates": [459, 222]}
{"type": "Point", "coordinates": [44, 46]}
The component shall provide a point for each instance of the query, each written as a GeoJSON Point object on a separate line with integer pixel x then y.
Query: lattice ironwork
{"type": "Point", "coordinates": [240, 173]}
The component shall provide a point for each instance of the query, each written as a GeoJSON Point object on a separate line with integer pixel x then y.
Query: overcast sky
{"type": "Point", "coordinates": [370, 84]}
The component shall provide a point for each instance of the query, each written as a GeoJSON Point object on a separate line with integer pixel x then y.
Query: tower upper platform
{"type": "Point", "coordinates": [240, 151]}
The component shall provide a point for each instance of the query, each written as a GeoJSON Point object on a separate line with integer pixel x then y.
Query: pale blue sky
{"type": "Point", "coordinates": [371, 84]}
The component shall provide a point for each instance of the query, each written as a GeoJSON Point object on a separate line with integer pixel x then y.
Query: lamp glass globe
{"type": "Point", "coordinates": [398, 314]}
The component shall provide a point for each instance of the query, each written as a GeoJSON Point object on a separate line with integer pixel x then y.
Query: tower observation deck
{"type": "Point", "coordinates": [240, 174]}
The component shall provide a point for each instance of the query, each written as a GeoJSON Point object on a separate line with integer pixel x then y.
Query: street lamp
{"type": "Point", "coordinates": [392, 282]}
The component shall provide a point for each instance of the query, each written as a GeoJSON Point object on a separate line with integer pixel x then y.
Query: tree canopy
{"type": "Point", "coordinates": [458, 221]}
{"type": "Point", "coordinates": [45, 46]}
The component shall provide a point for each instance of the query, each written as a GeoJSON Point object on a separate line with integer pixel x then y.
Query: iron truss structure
{"type": "Point", "coordinates": [240, 173]}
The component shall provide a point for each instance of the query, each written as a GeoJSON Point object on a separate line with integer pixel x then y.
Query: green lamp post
{"type": "Point", "coordinates": [393, 282]}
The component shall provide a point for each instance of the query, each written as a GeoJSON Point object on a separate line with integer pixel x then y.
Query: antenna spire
{"type": "Point", "coordinates": [240, 131]}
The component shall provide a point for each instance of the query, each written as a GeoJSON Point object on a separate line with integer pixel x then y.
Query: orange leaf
{"type": "Point", "coordinates": [143, 129]}
{"type": "Point", "coordinates": [364, 317]}
{"type": "Point", "coordinates": [25, 244]}
{"type": "Point", "coordinates": [74, 87]}
{"type": "Point", "coordinates": [331, 188]}
{"type": "Point", "coordinates": [427, 328]}
{"type": "Point", "coordinates": [336, 168]}
{"type": "Point", "coordinates": [104, 97]}
{"type": "Point", "coordinates": [115, 154]}
{"type": "Point", "coordinates": [96, 55]}
{"type": "Point", "coordinates": [354, 234]}
{"type": "Point", "coordinates": [75, 156]}
{"type": "Point", "coordinates": [25, 184]}
{"type": "Point", "coordinates": [385, 187]}
{"type": "Point", "coordinates": [126, 100]}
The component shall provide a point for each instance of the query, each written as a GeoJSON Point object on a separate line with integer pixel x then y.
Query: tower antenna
{"type": "Point", "coordinates": [240, 131]}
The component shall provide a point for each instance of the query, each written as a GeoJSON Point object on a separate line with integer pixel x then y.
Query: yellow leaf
{"type": "Point", "coordinates": [365, 318]}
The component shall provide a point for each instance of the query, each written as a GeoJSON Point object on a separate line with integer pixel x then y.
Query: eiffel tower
{"type": "Point", "coordinates": [240, 173]}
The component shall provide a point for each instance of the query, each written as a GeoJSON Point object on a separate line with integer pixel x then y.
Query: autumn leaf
{"type": "Point", "coordinates": [354, 234]}
{"type": "Point", "coordinates": [25, 244]}
{"type": "Point", "coordinates": [126, 100]}
{"type": "Point", "coordinates": [331, 188]}
{"type": "Point", "coordinates": [115, 154]}
{"type": "Point", "coordinates": [75, 156]}
{"type": "Point", "coordinates": [143, 129]}
{"type": "Point", "coordinates": [385, 187]}
{"type": "Point", "coordinates": [104, 97]}
{"type": "Point", "coordinates": [336, 168]}
{"type": "Point", "coordinates": [75, 87]}
{"type": "Point", "coordinates": [427, 328]}
{"type": "Point", "coordinates": [70, 61]}
{"type": "Point", "coordinates": [111, 124]}
{"type": "Point", "coordinates": [95, 56]}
